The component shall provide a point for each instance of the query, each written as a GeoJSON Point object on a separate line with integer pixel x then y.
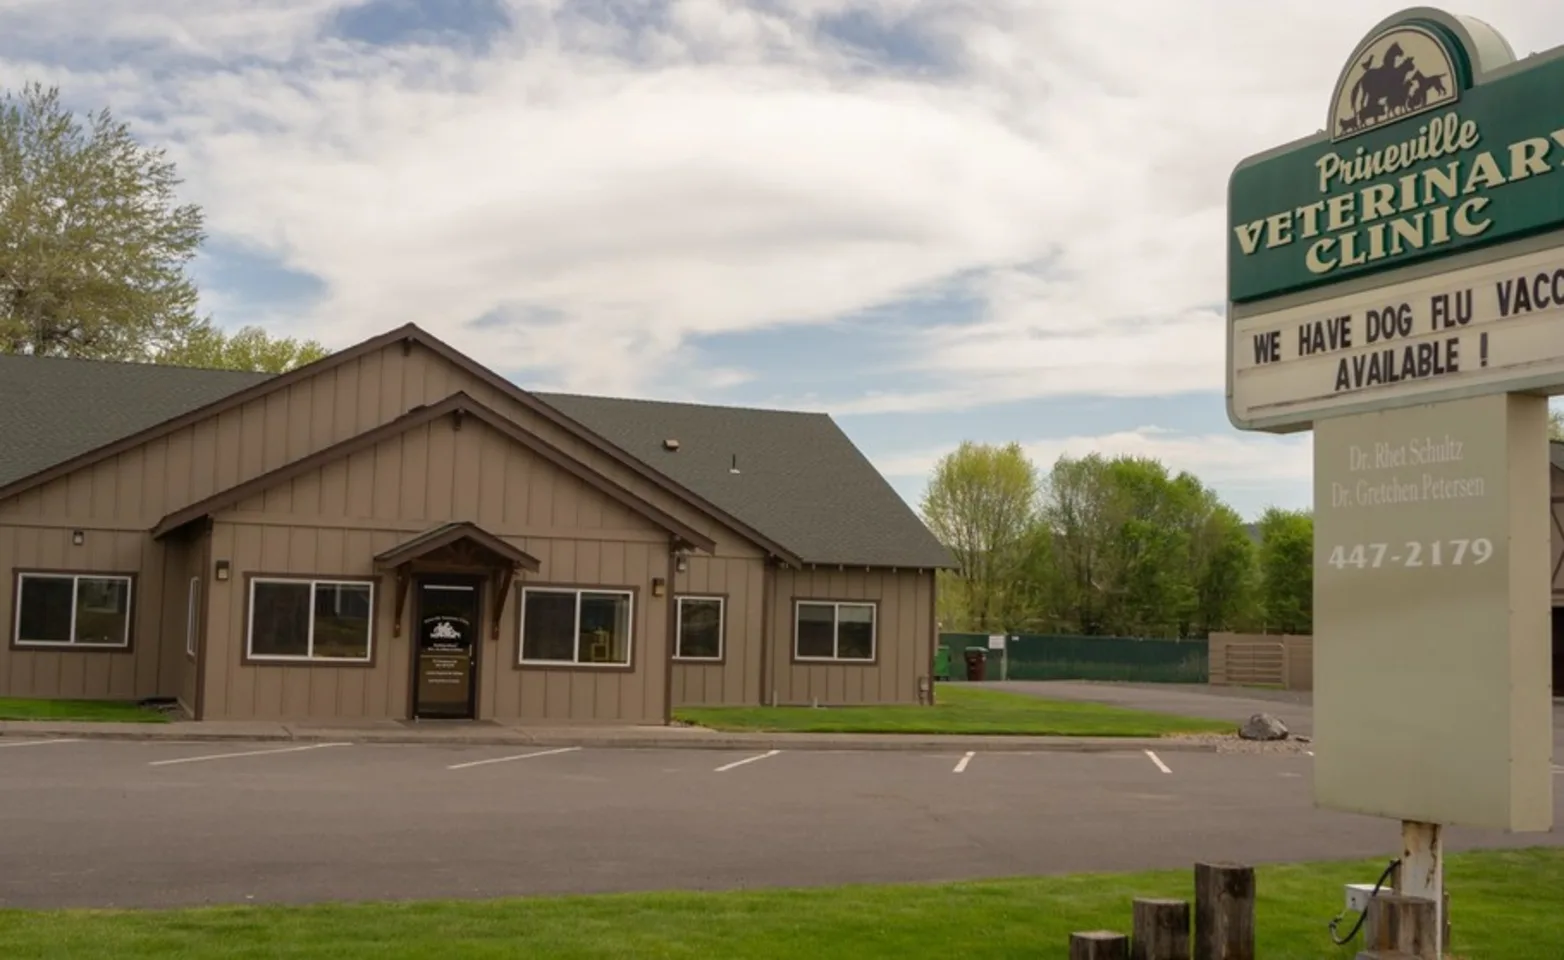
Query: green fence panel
{"type": "Point", "coordinates": [1058, 657]}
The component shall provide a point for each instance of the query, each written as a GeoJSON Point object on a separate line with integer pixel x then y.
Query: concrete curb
{"type": "Point", "coordinates": [177, 733]}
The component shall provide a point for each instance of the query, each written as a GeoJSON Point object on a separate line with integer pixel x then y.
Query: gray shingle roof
{"type": "Point", "coordinates": [801, 481]}
{"type": "Point", "coordinates": [52, 408]}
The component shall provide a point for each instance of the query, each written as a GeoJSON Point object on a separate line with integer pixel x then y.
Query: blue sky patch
{"type": "Point", "coordinates": [252, 284]}
{"type": "Point", "coordinates": [899, 43]}
{"type": "Point", "coordinates": [445, 22]}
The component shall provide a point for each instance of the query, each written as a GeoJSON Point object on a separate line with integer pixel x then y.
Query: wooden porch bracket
{"type": "Point", "coordinates": [404, 579]}
{"type": "Point", "coordinates": [503, 578]}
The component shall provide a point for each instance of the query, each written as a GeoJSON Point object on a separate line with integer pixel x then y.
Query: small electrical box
{"type": "Point", "coordinates": [1359, 894]}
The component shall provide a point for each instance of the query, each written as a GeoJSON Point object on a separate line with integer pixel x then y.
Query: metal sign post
{"type": "Point", "coordinates": [1001, 642]}
{"type": "Point", "coordinates": [1396, 284]}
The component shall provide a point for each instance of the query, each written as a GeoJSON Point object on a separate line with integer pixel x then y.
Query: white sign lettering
{"type": "Point", "coordinates": [1412, 553]}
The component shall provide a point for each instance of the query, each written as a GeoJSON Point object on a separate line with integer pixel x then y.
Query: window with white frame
{"type": "Point", "coordinates": [583, 627]}
{"type": "Point", "coordinates": [310, 620]}
{"type": "Point", "coordinates": [85, 610]}
{"type": "Point", "coordinates": [192, 615]}
{"type": "Point", "coordinates": [700, 629]}
{"type": "Point", "coordinates": [830, 630]}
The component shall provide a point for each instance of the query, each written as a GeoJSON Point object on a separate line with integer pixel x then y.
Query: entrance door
{"type": "Point", "coordinates": [1558, 651]}
{"type": "Point", "coordinates": [445, 673]}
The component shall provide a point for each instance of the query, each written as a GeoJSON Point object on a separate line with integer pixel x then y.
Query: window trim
{"type": "Point", "coordinates": [836, 635]}
{"type": "Point", "coordinates": [522, 663]}
{"type": "Point", "coordinates": [248, 658]}
{"type": "Point", "coordinates": [131, 581]}
{"type": "Point", "coordinates": [192, 615]}
{"type": "Point", "coordinates": [722, 627]}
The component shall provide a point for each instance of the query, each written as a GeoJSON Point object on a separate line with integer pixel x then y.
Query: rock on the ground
{"type": "Point", "coordinates": [1263, 726]}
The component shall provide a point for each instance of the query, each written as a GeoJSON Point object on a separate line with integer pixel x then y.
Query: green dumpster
{"type": "Point", "coordinates": [941, 662]}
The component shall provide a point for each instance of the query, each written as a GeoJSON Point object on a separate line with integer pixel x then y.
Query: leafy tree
{"type": "Point", "coordinates": [249, 348]}
{"type": "Point", "coordinates": [1116, 545]}
{"type": "Point", "coordinates": [1555, 425]}
{"type": "Point", "coordinates": [1222, 561]}
{"type": "Point", "coordinates": [1140, 551]}
{"type": "Point", "coordinates": [981, 502]}
{"type": "Point", "coordinates": [1151, 546]}
{"type": "Point", "coordinates": [1079, 513]}
{"type": "Point", "coordinates": [1287, 570]}
{"type": "Point", "coordinates": [93, 246]}
{"type": "Point", "coordinates": [1033, 603]}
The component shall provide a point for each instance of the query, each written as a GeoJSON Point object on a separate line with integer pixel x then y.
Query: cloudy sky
{"type": "Point", "coordinates": [935, 219]}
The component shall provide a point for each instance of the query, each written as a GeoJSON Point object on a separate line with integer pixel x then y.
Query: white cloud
{"type": "Point", "coordinates": [730, 168]}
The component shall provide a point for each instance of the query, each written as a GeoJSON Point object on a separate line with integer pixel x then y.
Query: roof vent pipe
{"type": "Point", "coordinates": [734, 468]}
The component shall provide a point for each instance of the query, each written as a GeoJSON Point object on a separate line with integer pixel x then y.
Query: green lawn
{"type": "Point", "coordinates": [116, 710]}
{"type": "Point", "coordinates": [1502, 905]}
{"type": "Point", "coordinates": [958, 708]}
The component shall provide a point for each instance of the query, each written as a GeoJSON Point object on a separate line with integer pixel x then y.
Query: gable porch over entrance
{"type": "Point", "coordinates": [462, 548]}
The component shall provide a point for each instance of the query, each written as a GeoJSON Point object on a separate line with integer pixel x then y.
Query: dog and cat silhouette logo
{"type": "Point", "coordinates": [1404, 71]}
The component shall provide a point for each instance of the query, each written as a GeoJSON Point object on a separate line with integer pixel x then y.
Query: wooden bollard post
{"type": "Point", "coordinates": [1224, 912]}
{"type": "Point", "coordinates": [1161, 930]}
{"type": "Point", "coordinates": [1403, 925]}
{"type": "Point", "coordinates": [1444, 919]}
{"type": "Point", "coordinates": [1099, 945]}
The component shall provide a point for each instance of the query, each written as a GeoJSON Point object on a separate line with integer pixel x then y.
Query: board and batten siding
{"type": "Point", "coordinates": [904, 635]}
{"type": "Point", "coordinates": [134, 489]}
{"type": "Point", "coordinates": [145, 670]}
{"type": "Point", "coordinates": [736, 679]}
{"type": "Point", "coordinates": [332, 521]}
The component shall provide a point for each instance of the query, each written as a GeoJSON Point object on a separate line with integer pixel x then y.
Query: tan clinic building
{"type": "Point", "coordinates": [397, 532]}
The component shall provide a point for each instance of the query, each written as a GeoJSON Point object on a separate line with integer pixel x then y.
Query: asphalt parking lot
{"type": "Point", "coordinates": [140, 824]}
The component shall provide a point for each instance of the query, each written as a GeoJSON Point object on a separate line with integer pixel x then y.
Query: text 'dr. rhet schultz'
{"type": "Point", "coordinates": [1419, 469]}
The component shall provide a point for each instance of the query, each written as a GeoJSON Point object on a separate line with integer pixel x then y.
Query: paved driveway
{"type": "Point", "coordinates": [139, 824]}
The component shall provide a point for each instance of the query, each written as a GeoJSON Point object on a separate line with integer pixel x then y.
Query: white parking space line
{"type": "Point", "coordinates": [246, 753]}
{"type": "Point", "coordinates": [962, 763]}
{"type": "Point", "coordinates": [1158, 761]}
{"type": "Point", "coordinates": [36, 743]}
{"type": "Point", "coordinates": [740, 763]}
{"type": "Point", "coordinates": [519, 756]}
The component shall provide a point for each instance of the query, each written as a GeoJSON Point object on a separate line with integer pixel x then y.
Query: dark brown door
{"type": "Point", "coordinates": [1558, 651]}
{"type": "Point", "coordinates": [445, 683]}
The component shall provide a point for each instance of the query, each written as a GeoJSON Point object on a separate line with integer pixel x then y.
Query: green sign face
{"type": "Point", "coordinates": [1420, 160]}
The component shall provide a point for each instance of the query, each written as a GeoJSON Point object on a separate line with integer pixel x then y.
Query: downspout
{"type": "Point", "coordinates": [933, 628]}
{"type": "Point", "coordinates": [671, 632]}
{"type": "Point", "coordinates": [769, 572]}
{"type": "Point", "coordinates": [203, 607]}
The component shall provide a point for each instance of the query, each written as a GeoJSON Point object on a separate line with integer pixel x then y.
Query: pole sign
{"type": "Point", "coordinates": [1437, 143]}
{"type": "Point", "coordinates": [1396, 285]}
